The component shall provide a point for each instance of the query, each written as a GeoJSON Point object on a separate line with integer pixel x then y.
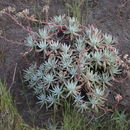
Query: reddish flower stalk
{"type": "Point", "coordinates": [42, 22]}
{"type": "Point", "coordinates": [18, 23]}
{"type": "Point", "coordinates": [27, 29]}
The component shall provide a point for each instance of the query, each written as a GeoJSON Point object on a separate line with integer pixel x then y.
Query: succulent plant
{"type": "Point", "coordinates": [39, 88]}
{"type": "Point", "coordinates": [65, 48]}
{"type": "Point", "coordinates": [95, 37]}
{"type": "Point", "coordinates": [98, 92]}
{"type": "Point", "coordinates": [42, 45]}
{"type": "Point", "coordinates": [43, 34]}
{"type": "Point", "coordinates": [72, 21]}
{"type": "Point", "coordinates": [82, 60]}
{"type": "Point", "coordinates": [114, 70]}
{"type": "Point", "coordinates": [73, 71]}
{"type": "Point", "coordinates": [80, 44]}
{"type": "Point", "coordinates": [57, 91]}
{"type": "Point", "coordinates": [78, 98]}
{"type": "Point", "coordinates": [71, 87]}
{"type": "Point", "coordinates": [72, 28]}
{"type": "Point", "coordinates": [51, 63]}
{"type": "Point", "coordinates": [42, 99]}
{"type": "Point", "coordinates": [52, 100]}
{"type": "Point", "coordinates": [108, 39]}
{"type": "Point", "coordinates": [96, 103]}
{"type": "Point", "coordinates": [106, 79]}
{"type": "Point", "coordinates": [48, 79]}
{"type": "Point", "coordinates": [30, 42]}
{"type": "Point", "coordinates": [95, 41]}
{"type": "Point", "coordinates": [59, 20]}
{"type": "Point", "coordinates": [54, 45]}
{"type": "Point", "coordinates": [97, 58]}
{"type": "Point", "coordinates": [82, 107]}
{"type": "Point", "coordinates": [92, 77]}
{"type": "Point", "coordinates": [29, 72]}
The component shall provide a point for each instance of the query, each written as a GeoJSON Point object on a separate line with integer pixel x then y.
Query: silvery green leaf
{"type": "Point", "coordinates": [54, 45]}
{"type": "Point", "coordinates": [95, 40]}
{"type": "Point", "coordinates": [72, 29]}
{"type": "Point", "coordinates": [65, 48]}
{"type": "Point", "coordinates": [52, 100]}
{"type": "Point", "coordinates": [51, 63]}
{"type": "Point", "coordinates": [57, 91]}
{"type": "Point", "coordinates": [66, 56]}
{"type": "Point", "coordinates": [32, 84]}
{"type": "Point", "coordinates": [98, 92]}
{"type": "Point", "coordinates": [83, 60]}
{"type": "Point", "coordinates": [93, 77]}
{"type": "Point", "coordinates": [109, 56]}
{"type": "Point", "coordinates": [78, 98]}
{"type": "Point", "coordinates": [30, 42]}
{"type": "Point", "coordinates": [29, 72]}
{"type": "Point", "coordinates": [82, 107]}
{"type": "Point", "coordinates": [66, 63]}
{"type": "Point", "coordinates": [39, 88]}
{"type": "Point", "coordinates": [42, 45]}
{"type": "Point", "coordinates": [34, 80]}
{"type": "Point", "coordinates": [114, 69]}
{"type": "Point", "coordinates": [42, 99]}
{"type": "Point", "coordinates": [43, 34]}
{"type": "Point", "coordinates": [42, 67]}
{"type": "Point", "coordinates": [87, 56]}
{"type": "Point", "coordinates": [94, 35]}
{"type": "Point", "coordinates": [37, 91]}
{"type": "Point", "coordinates": [71, 87]}
{"type": "Point", "coordinates": [51, 125]}
{"type": "Point", "coordinates": [92, 30]}
{"type": "Point", "coordinates": [58, 20]}
{"type": "Point", "coordinates": [108, 39]}
{"type": "Point", "coordinates": [80, 45]}
{"type": "Point", "coordinates": [53, 28]}
{"type": "Point", "coordinates": [73, 21]}
{"type": "Point", "coordinates": [72, 71]}
{"type": "Point", "coordinates": [97, 58]}
{"type": "Point", "coordinates": [80, 40]}
{"type": "Point", "coordinates": [106, 79]}
{"type": "Point", "coordinates": [96, 103]}
{"type": "Point", "coordinates": [48, 78]}
{"type": "Point", "coordinates": [83, 64]}
{"type": "Point", "coordinates": [61, 76]}
{"type": "Point", "coordinates": [39, 74]}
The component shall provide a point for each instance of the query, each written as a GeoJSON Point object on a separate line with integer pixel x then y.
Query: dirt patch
{"type": "Point", "coordinates": [110, 16]}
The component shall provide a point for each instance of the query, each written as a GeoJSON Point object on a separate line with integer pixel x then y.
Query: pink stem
{"type": "Point", "coordinates": [4, 38]}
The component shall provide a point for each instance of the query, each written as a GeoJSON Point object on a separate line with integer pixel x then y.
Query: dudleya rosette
{"type": "Point", "coordinates": [76, 59]}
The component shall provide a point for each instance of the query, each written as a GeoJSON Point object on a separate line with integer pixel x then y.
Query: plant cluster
{"type": "Point", "coordinates": [78, 63]}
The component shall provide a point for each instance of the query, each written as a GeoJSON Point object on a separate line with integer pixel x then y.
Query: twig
{"type": "Point", "coordinates": [17, 22]}
{"type": "Point", "coordinates": [14, 74]}
{"type": "Point", "coordinates": [42, 22]}
{"type": "Point", "coordinates": [7, 40]}
{"type": "Point", "coordinates": [27, 29]}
